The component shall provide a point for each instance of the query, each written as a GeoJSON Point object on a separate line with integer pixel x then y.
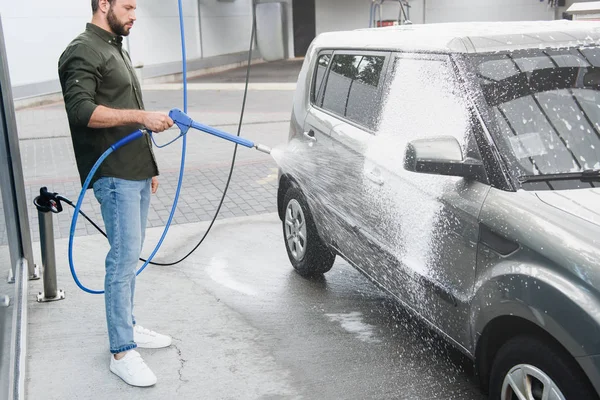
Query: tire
{"type": "Point", "coordinates": [538, 361]}
{"type": "Point", "coordinates": [306, 251]}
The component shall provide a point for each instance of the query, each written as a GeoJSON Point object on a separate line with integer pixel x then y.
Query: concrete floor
{"type": "Point", "coordinates": [245, 326]}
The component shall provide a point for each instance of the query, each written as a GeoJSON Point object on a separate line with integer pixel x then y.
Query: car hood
{"type": "Point", "coordinates": [582, 203]}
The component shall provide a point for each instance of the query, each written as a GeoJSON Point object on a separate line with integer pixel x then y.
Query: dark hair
{"type": "Point", "coordinates": [95, 5]}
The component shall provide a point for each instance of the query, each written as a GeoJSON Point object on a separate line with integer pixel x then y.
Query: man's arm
{"type": "Point", "coordinates": [104, 117]}
{"type": "Point", "coordinates": [79, 69]}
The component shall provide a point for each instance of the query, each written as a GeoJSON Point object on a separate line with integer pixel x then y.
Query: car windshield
{"type": "Point", "coordinates": [546, 105]}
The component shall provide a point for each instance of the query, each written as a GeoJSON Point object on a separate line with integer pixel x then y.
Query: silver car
{"type": "Point", "coordinates": [458, 167]}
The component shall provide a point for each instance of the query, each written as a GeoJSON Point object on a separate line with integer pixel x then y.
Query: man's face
{"type": "Point", "coordinates": [121, 16]}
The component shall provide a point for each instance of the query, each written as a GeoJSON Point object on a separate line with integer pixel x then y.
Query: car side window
{"type": "Point", "coordinates": [352, 87]}
{"type": "Point", "coordinates": [316, 95]}
{"type": "Point", "coordinates": [343, 70]}
{"type": "Point", "coordinates": [363, 98]}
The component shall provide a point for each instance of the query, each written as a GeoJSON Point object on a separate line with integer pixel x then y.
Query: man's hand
{"type": "Point", "coordinates": [156, 121]}
{"type": "Point", "coordinates": [154, 185]}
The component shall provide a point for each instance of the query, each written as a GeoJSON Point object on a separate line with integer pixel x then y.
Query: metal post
{"type": "Point", "coordinates": [4, 305]}
{"type": "Point", "coordinates": [11, 180]}
{"type": "Point", "coordinates": [50, 293]}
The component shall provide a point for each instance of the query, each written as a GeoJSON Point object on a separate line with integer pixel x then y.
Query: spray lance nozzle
{"type": "Point", "coordinates": [184, 122]}
{"type": "Point", "coordinates": [263, 148]}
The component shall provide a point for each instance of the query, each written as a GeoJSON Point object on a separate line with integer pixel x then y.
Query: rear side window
{"type": "Point", "coordinates": [352, 88]}
{"type": "Point", "coordinates": [317, 87]}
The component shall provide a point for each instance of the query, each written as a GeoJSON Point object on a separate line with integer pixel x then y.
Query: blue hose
{"type": "Point", "coordinates": [135, 135]}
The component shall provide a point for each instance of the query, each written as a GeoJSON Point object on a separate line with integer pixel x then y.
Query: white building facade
{"type": "Point", "coordinates": [217, 31]}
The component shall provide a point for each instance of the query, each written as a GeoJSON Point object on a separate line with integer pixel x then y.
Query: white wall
{"type": "Point", "coordinates": [155, 37]}
{"type": "Point", "coordinates": [226, 27]}
{"type": "Point", "coordinates": [336, 15]}
{"type": "Point", "coordinates": [339, 15]}
{"type": "Point", "coordinates": [36, 32]}
{"type": "Point", "coordinates": [487, 10]}
{"type": "Point", "coordinates": [492, 10]}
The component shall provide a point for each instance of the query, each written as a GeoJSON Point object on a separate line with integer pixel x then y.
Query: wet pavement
{"type": "Point", "coordinates": [245, 326]}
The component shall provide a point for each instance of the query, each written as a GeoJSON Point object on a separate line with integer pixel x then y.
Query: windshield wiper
{"type": "Point", "coordinates": [589, 175]}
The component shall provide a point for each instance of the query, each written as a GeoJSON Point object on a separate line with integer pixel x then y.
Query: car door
{"type": "Point", "coordinates": [314, 151]}
{"type": "Point", "coordinates": [425, 227]}
{"type": "Point", "coordinates": [352, 94]}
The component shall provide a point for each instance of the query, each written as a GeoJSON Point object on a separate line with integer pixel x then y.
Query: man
{"type": "Point", "coordinates": [103, 100]}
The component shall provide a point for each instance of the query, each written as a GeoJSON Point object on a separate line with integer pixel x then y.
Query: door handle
{"type": "Point", "coordinates": [375, 177]}
{"type": "Point", "coordinates": [4, 301]}
{"type": "Point", "coordinates": [310, 135]}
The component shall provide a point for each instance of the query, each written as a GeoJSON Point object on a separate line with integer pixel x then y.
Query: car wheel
{"type": "Point", "coordinates": [306, 251]}
{"type": "Point", "coordinates": [528, 368]}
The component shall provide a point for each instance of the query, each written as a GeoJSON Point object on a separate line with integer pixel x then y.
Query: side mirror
{"type": "Point", "coordinates": [441, 156]}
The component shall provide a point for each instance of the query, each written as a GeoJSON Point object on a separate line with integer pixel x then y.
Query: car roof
{"type": "Point", "coordinates": [470, 37]}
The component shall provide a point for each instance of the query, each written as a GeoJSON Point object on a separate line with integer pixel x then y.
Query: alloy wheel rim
{"type": "Point", "coordinates": [526, 382]}
{"type": "Point", "coordinates": [295, 230]}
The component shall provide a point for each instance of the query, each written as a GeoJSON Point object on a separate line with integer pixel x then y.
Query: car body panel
{"type": "Point", "coordinates": [591, 366]}
{"type": "Point", "coordinates": [552, 276]}
{"type": "Point", "coordinates": [581, 203]}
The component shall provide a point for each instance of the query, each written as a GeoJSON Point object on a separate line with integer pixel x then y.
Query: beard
{"type": "Point", "coordinates": [115, 25]}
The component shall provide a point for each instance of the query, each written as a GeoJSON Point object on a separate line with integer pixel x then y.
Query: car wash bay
{"type": "Point", "coordinates": [245, 325]}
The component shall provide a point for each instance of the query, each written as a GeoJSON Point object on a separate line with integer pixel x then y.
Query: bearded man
{"type": "Point", "coordinates": [103, 100]}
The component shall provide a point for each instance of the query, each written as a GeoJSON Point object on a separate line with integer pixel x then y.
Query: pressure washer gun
{"type": "Point", "coordinates": [184, 122]}
{"type": "Point", "coordinates": [48, 201]}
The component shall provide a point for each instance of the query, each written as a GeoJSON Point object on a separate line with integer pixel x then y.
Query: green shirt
{"type": "Point", "coordinates": [95, 70]}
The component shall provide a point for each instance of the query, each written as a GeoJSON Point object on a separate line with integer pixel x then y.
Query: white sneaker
{"type": "Point", "coordinates": [132, 369]}
{"type": "Point", "coordinates": [147, 339]}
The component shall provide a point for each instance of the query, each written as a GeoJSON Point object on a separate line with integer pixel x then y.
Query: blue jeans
{"type": "Point", "coordinates": [124, 205]}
